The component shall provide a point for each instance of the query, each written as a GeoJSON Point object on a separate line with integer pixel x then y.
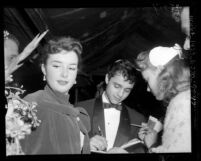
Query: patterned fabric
{"type": "Point", "coordinates": [177, 125]}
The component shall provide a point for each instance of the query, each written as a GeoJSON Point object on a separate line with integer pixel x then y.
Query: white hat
{"type": "Point", "coordinates": [159, 56]}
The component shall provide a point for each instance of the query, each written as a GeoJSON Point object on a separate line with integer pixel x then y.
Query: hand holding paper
{"type": "Point", "coordinates": [15, 64]}
{"type": "Point", "coordinates": [154, 124]}
{"type": "Point", "coordinates": [31, 46]}
{"type": "Point", "coordinates": [148, 133]}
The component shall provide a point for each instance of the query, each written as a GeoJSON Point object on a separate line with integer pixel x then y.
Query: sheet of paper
{"type": "Point", "coordinates": [131, 142]}
{"type": "Point", "coordinates": [154, 124]}
{"type": "Point", "coordinates": [99, 151]}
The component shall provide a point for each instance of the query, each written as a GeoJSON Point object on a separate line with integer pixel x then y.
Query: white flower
{"type": "Point", "coordinates": [20, 118]}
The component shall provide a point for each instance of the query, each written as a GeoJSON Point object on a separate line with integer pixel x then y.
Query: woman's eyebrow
{"type": "Point", "coordinates": [73, 64]}
{"type": "Point", "coordinates": [55, 61]}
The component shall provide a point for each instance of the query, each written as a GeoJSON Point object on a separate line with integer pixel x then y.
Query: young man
{"type": "Point", "coordinates": [110, 117]}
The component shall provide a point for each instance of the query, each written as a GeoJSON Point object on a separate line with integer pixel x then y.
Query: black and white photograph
{"type": "Point", "coordinates": [101, 82]}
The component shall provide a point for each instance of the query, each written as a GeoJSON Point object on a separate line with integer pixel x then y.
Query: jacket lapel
{"type": "Point", "coordinates": [124, 129]}
{"type": "Point", "coordinates": [98, 117]}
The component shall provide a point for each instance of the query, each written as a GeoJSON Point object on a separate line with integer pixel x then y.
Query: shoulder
{"type": "Point", "coordinates": [183, 96]}
{"type": "Point", "coordinates": [86, 102]}
{"type": "Point", "coordinates": [180, 106]}
{"type": "Point", "coordinates": [87, 105]}
{"type": "Point", "coordinates": [134, 114]}
{"type": "Point", "coordinates": [33, 96]}
{"type": "Point", "coordinates": [181, 100]}
{"type": "Point", "coordinates": [133, 111]}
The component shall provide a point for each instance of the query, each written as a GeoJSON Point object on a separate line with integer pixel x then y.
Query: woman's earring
{"type": "Point", "coordinates": [75, 82]}
{"type": "Point", "coordinates": [44, 78]}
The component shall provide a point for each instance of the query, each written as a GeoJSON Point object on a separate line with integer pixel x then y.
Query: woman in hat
{"type": "Point", "coordinates": [168, 78]}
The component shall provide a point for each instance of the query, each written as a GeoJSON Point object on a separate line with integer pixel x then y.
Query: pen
{"type": "Point", "coordinates": [136, 125]}
{"type": "Point", "coordinates": [99, 131]}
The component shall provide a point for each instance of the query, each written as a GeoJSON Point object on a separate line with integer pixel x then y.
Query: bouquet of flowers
{"type": "Point", "coordinates": [20, 120]}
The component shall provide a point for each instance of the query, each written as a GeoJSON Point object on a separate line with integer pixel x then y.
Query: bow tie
{"type": "Point", "coordinates": [108, 105]}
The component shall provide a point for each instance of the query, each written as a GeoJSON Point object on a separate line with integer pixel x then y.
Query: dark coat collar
{"type": "Point", "coordinates": [57, 102]}
{"type": "Point", "coordinates": [59, 97]}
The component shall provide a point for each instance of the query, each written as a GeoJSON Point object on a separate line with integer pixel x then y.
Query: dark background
{"type": "Point", "coordinates": [107, 34]}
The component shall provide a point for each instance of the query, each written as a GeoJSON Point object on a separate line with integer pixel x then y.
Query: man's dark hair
{"type": "Point", "coordinates": [124, 67]}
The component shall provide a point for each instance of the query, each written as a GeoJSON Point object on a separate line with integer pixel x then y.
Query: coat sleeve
{"type": "Point", "coordinates": [177, 127]}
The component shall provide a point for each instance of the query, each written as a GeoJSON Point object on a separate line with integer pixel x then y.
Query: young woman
{"type": "Point", "coordinates": [63, 129]}
{"type": "Point", "coordinates": [168, 78]}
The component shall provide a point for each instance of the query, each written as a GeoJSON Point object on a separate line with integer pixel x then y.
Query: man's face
{"type": "Point", "coordinates": [118, 88]}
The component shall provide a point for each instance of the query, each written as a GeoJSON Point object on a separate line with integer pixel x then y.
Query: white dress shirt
{"type": "Point", "coordinates": [112, 118]}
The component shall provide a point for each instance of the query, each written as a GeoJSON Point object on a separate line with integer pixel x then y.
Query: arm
{"type": "Point", "coordinates": [148, 135]}
{"type": "Point", "coordinates": [24, 54]}
{"type": "Point", "coordinates": [177, 127]}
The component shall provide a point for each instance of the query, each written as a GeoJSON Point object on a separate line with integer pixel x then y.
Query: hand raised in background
{"type": "Point", "coordinates": [31, 46]}
{"type": "Point", "coordinates": [24, 54]}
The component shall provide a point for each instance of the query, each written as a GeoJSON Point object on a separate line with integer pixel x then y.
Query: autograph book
{"type": "Point", "coordinates": [129, 146]}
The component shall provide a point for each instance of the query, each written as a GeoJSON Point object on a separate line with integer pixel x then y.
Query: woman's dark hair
{"type": "Point", "coordinates": [58, 44]}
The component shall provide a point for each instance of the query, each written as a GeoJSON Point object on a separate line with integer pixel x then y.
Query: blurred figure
{"type": "Point", "coordinates": [185, 25]}
{"type": "Point", "coordinates": [12, 58]}
{"type": "Point", "coordinates": [11, 48]}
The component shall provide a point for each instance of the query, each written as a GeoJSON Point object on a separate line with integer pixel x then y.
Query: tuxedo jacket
{"type": "Point", "coordinates": [128, 116]}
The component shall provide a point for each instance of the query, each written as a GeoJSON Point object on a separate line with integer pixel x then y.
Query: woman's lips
{"type": "Point", "coordinates": [62, 82]}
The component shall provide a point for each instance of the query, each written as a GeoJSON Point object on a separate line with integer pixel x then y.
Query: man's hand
{"type": "Point", "coordinates": [98, 142]}
{"type": "Point", "coordinates": [23, 55]}
{"type": "Point", "coordinates": [31, 46]}
{"type": "Point", "coordinates": [142, 131]}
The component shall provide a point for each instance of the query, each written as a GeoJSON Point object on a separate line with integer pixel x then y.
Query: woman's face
{"type": "Point", "coordinates": [60, 70]}
{"type": "Point", "coordinates": [151, 77]}
{"type": "Point", "coordinates": [10, 52]}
